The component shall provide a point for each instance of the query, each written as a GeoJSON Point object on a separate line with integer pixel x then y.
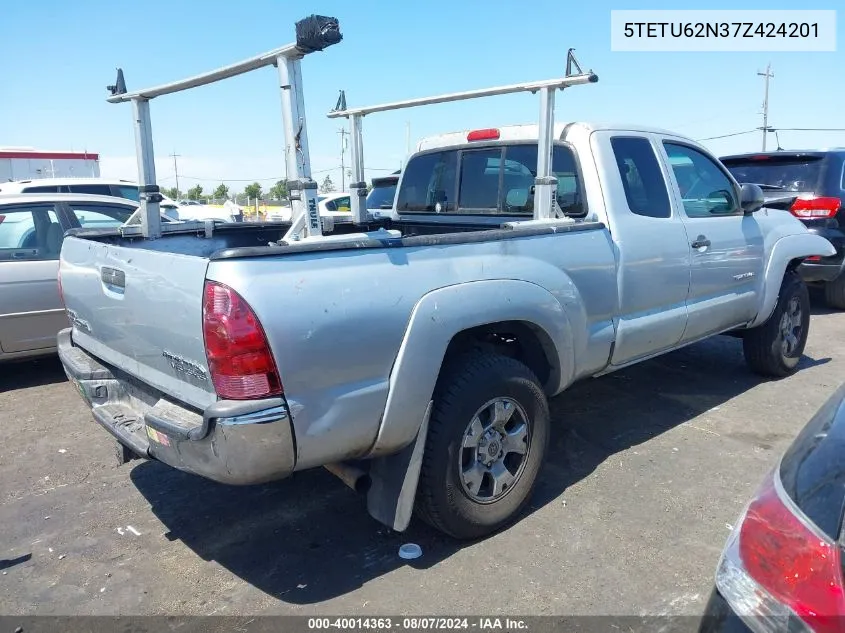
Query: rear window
{"type": "Point", "coordinates": [787, 173]}
{"type": "Point", "coordinates": [100, 190]}
{"type": "Point", "coordinates": [44, 189]}
{"type": "Point", "coordinates": [490, 181]}
{"type": "Point", "coordinates": [381, 197]}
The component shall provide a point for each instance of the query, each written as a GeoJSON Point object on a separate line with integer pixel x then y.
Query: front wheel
{"type": "Point", "coordinates": [486, 440]}
{"type": "Point", "coordinates": [775, 347]}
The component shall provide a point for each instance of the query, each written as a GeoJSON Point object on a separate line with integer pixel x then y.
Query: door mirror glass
{"type": "Point", "coordinates": [751, 198]}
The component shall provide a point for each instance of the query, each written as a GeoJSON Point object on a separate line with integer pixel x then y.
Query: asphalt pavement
{"type": "Point", "coordinates": [646, 472]}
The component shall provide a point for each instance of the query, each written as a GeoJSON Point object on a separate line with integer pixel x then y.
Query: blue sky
{"type": "Point", "coordinates": [59, 56]}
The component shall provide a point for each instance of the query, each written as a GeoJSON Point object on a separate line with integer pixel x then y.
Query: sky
{"type": "Point", "coordinates": [59, 56]}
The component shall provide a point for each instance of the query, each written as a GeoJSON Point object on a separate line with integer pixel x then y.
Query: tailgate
{"type": "Point", "coordinates": [140, 311]}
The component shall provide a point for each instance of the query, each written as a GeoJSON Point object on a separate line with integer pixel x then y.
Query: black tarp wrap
{"type": "Point", "coordinates": [317, 32]}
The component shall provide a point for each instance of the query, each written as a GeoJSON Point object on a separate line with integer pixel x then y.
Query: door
{"type": "Point", "coordinates": [651, 245]}
{"type": "Point", "coordinates": [726, 246]}
{"type": "Point", "coordinates": [31, 311]}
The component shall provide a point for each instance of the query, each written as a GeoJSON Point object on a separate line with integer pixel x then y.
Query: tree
{"type": "Point", "coordinates": [222, 191]}
{"type": "Point", "coordinates": [328, 185]}
{"type": "Point", "coordinates": [253, 190]}
{"type": "Point", "coordinates": [195, 192]}
{"type": "Point", "coordinates": [279, 191]}
{"type": "Point", "coordinates": [171, 193]}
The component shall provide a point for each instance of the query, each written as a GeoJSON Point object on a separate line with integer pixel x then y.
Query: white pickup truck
{"type": "Point", "coordinates": [414, 356]}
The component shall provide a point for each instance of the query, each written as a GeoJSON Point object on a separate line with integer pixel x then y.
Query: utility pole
{"type": "Point", "coordinates": [176, 170]}
{"type": "Point", "coordinates": [767, 75]}
{"type": "Point", "coordinates": [343, 134]}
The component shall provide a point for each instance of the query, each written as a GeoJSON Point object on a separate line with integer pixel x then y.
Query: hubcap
{"type": "Point", "coordinates": [494, 450]}
{"type": "Point", "coordinates": [790, 327]}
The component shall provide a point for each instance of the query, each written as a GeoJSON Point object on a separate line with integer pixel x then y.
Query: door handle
{"type": "Point", "coordinates": [701, 242]}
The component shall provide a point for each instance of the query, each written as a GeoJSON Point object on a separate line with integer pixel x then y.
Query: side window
{"type": "Point", "coordinates": [30, 233]}
{"type": "Point", "coordinates": [705, 189]}
{"type": "Point", "coordinates": [331, 206]}
{"type": "Point", "coordinates": [100, 216]}
{"type": "Point", "coordinates": [429, 184]}
{"type": "Point", "coordinates": [645, 187]}
{"type": "Point", "coordinates": [343, 204]}
{"type": "Point", "coordinates": [100, 190]}
{"type": "Point", "coordinates": [479, 188]}
{"type": "Point", "coordinates": [842, 179]}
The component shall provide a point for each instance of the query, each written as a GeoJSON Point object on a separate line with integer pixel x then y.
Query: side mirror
{"type": "Point", "coordinates": [751, 198]}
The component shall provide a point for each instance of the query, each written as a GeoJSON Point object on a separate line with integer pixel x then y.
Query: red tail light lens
{"type": "Point", "coordinates": [815, 207]}
{"type": "Point", "coordinates": [792, 561]}
{"type": "Point", "coordinates": [239, 357]}
{"type": "Point", "coordinates": [2, 217]}
{"type": "Point", "coordinates": [487, 134]}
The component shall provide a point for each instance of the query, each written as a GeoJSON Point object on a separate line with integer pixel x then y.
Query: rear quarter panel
{"type": "Point", "coordinates": [336, 321]}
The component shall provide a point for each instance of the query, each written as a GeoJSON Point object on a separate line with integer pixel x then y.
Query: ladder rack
{"type": "Point", "coordinates": [313, 34]}
{"type": "Point", "coordinates": [545, 207]}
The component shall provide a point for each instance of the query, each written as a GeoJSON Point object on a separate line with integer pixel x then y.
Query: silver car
{"type": "Point", "coordinates": [32, 227]}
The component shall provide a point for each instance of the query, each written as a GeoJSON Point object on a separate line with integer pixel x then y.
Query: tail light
{"type": "Point", "coordinates": [487, 134]}
{"type": "Point", "coordinates": [2, 217]}
{"type": "Point", "coordinates": [778, 571]}
{"type": "Point", "coordinates": [239, 357]}
{"type": "Point", "coordinates": [823, 207]}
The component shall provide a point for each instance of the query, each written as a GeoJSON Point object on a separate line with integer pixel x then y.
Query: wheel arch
{"type": "Point", "coordinates": [464, 316]}
{"type": "Point", "coordinates": [785, 256]}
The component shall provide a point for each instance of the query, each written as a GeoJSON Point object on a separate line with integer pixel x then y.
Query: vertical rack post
{"type": "Point", "coordinates": [302, 188]}
{"type": "Point", "coordinates": [149, 195]}
{"type": "Point", "coordinates": [358, 187]}
{"type": "Point", "coordinates": [545, 183]}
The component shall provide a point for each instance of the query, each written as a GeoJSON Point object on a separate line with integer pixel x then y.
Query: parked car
{"type": "Point", "coordinates": [89, 186]}
{"type": "Point", "coordinates": [31, 232]}
{"type": "Point", "coordinates": [382, 195]}
{"type": "Point", "coordinates": [419, 360]}
{"type": "Point", "coordinates": [810, 185]}
{"type": "Point", "coordinates": [781, 570]}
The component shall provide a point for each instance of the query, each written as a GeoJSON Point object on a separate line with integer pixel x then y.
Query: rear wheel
{"type": "Point", "coordinates": [834, 292]}
{"type": "Point", "coordinates": [486, 440]}
{"type": "Point", "coordinates": [775, 347]}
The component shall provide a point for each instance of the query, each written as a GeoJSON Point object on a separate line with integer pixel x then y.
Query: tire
{"type": "Point", "coordinates": [774, 348]}
{"type": "Point", "coordinates": [834, 292]}
{"type": "Point", "coordinates": [482, 388]}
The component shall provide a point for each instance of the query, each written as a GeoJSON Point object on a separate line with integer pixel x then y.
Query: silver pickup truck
{"type": "Point", "coordinates": [415, 359]}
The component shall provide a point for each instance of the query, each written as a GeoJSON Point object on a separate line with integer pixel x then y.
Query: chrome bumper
{"type": "Point", "coordinates": [233, 442]}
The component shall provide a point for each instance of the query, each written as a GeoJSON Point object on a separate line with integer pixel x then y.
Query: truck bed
{"type": "Point", "coordinates": [335, 314]}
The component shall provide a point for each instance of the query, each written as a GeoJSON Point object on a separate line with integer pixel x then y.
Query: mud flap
{"type": "Point", "coordinates": [390, 499]}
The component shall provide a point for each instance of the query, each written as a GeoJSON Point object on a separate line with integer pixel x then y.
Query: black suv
{"type": "Point", "coordinates": [811, 186]}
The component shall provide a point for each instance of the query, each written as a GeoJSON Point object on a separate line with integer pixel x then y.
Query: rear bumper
{"type": "Point", "coordinates": [233, 442]}
{"type": "Point", "coordinates": [825, 268]}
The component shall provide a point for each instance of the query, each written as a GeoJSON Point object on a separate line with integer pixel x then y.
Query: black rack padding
{"type": "Point", "coordinates": [317, 32]}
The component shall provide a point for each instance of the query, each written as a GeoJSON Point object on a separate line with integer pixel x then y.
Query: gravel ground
{"type": "Point", "coordinates": [646, 472]}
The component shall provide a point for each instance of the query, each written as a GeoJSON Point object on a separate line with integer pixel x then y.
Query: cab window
{"type": "Point", "coordinates": [706, 191]}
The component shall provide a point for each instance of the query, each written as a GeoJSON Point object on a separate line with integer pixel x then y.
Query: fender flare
{"type": "Point", "coordinates": [441, 314]}
{"type": "Point", "coordinates": [784, 251]}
